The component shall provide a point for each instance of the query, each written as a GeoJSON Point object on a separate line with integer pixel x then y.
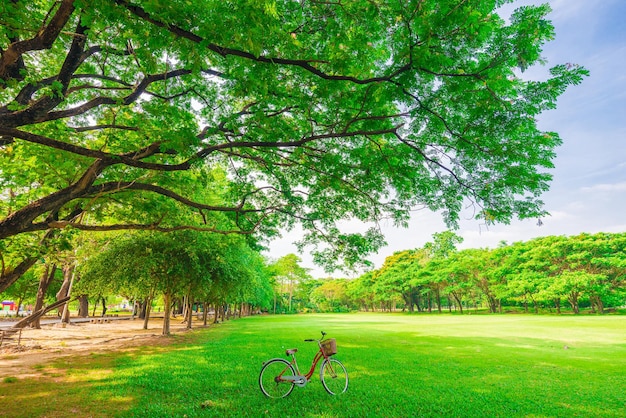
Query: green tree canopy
{"type": "Point", "coordinates": [587, 270]}
{"type": "Point", "coordinates": [317, 111]}
{"type": "Point", "coordinates": [288, 274]}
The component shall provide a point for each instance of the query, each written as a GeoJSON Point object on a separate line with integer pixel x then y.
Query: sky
{"type": "Point", "coordinates": [588, 190]}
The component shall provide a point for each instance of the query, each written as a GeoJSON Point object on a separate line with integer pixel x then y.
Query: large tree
{"type": "Point", "coordinates": [319, 111]}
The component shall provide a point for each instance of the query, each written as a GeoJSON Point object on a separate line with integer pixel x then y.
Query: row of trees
{"type": "Point", "coordinates": [185, 268]}
{"type": "Point", "coordinates": [225, 272]}
{"type": "Point", "coordinates": [184, 272]}
{"type": "Point", "coordinates": [550, 272]}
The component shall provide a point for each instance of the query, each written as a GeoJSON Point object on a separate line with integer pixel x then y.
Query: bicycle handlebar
{"type": "Point", "coordinates": [310, 340]}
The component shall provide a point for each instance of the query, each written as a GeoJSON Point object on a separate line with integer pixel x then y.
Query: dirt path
{"type": "Point", "coordinates": [39, 346]}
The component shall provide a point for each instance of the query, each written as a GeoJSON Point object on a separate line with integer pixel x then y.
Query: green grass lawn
{"type": "Point", "coordinates": [399, 366]}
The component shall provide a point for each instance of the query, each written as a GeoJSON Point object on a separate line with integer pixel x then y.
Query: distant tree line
{"type": "Point", "coordinates": [551, 273]}
{"type": "Point", "coordinates": [190, 273]}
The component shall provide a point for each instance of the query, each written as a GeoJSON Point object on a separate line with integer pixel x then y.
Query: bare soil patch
{"type": "Point", "coordinates": [52, 342]}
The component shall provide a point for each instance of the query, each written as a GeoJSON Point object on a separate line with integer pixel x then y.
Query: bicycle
{"type": "Point", "coordinates": [279, 376]}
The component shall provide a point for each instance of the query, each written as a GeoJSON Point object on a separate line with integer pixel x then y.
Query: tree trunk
{"type": "Point", "coordinates": [66, 288]}
{"type": "Point", "coordinates": [184, 307]}
{"type": "Point", "coordinates": [438, 295]}
{"type": "Point", "coordinates": [167, 309]}
{"type": "Point", "coordinates": [135, 310]}
{"type": "Point", "coordinates": [44, 283]}
{"type": "Point", "coordinates": [205, 313]}
{"type": "Point", "coordinates": [458, 301]}
{"type": "Point", "coordinates": [38, 314]}
{"type": "Point", "coordinates": [189, 309]}
{"type": "Point", "coordinates": [600, 305]}
{"type": "Point", "coordinates": [18, 305]}
{"type": "Point", "coordinates": [104, 305]}
{"type": "Point", "coordinates": [146, 317]}
{"type": "Point", "coordinates": [573, 301]}
{"type": "Point", "coordinates": [215, 313]}
{"type": "Point", "coordinates": [67, 273]}
{"type": "Point", "coordinates": [141, 310]}
{"type": "Point", "coordinates": [8, 277]}
{"type": "Point", "coordinates": [597, 304]}
{"type": "Point", "coordinates": [11, 276]}
{"type": "Point", "coordinates": [83, 306]}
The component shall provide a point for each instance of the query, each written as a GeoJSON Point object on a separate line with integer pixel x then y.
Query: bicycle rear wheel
{"type": "Point", "coordinates": [271, 378]}
{"type": "Point", "coordinates": [334, 376]}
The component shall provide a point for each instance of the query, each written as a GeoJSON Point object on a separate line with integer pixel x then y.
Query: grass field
{"type": "Point", "coordinates": [399, 366]}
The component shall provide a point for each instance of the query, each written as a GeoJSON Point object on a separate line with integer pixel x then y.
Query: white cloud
{"type": "Point", "coordinates": [617, 187]}
{"type": "Point", "coordinates": [568, 9]}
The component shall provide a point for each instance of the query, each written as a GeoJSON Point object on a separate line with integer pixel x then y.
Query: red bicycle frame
{"type": "Point", "coordinates": [316, 359]}
{"type": "Point", "coordinates": [292, 352]}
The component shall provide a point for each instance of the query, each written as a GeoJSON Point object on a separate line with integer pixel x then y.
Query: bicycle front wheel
{"type": "Point", "coordinates": [274, 378]}
{"type": "Point", "coordinates": [334, 376]}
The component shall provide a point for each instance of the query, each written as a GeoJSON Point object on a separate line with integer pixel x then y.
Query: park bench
{"type": "Point", "coordinates": [10, 334]}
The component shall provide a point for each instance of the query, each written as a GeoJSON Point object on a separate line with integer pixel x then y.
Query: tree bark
{"type": "Point", "coordinates": [142, 309]}
{"type": "Point", "coordinates": [44, 283]}
{"type": "Point", "coordinates": [205, 313]}
{"type": "Point", "coordinates": [38, 314]}
{"type": "Point", "coordinates": [189, 307]}
{"type": "Point", "coordinates": [458, 301]}
{"type": "Point", "coordinates": [10, 277]}
{"type": "Point", "coordinates": [83, 306]}
{"type": "Point", "coordinates": [64, 312]}
{"type": "Point", "coordinates": [167, 310]}
{"type": "Point", "coordinates": [597, 304]}
{"type": "Point", "coordinates": [183, 308]}
{"type": "Point", "coordinates": [573, 301]}
{"type": "Point", "coordinates": [438, 295]}
{"type": "Point", "coordinates": [147, 305]}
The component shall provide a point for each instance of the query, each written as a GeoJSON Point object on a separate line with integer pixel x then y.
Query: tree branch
{"type": "Point", "coordinates": [224, 51]}
{"type": "Point", "coordinates": [42, 40]}
{"type": "Point", "coordinates": [122, 186]}
{"type": "Point", "coordinates": [142, 227]}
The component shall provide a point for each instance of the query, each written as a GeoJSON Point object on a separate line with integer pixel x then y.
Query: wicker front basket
{"type": "Point", "coordinates": [329, 347]}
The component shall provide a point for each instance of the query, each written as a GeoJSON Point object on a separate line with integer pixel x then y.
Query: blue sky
{"type": "Point", "coordinates": [588, 191]}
